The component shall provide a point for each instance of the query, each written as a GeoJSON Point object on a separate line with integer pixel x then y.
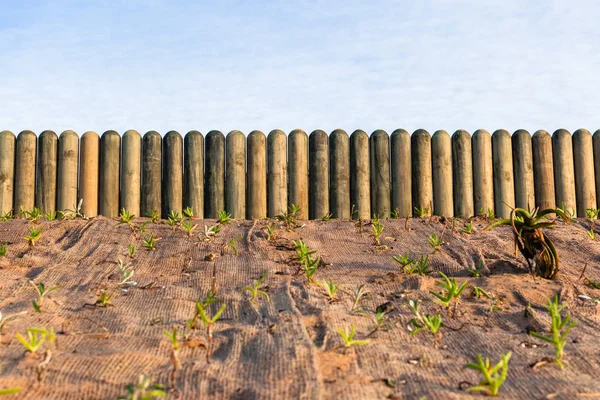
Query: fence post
{"type": "Point", "coordinates": [256, 181]}
{"type": "Point", "coordinates": [543, 170]}
{"type": "Point", "coordinates": [108, 191]}
{"type": "Point", "coordinates": [68, 162]}
{"type": "Point", "coordinates": [89, 171]}
{"type": "Point", "coordinates": [596, 140]}
{"type": "Point", "coordinates": [277, 191]}
{"type": "Point", "coordinates": [441, 159]}
{"type": "Point", "coordinates": [401, 173]}
{"type": "Point", "coordinates": [339, 174]}
{"type": "Point", "coordinates": [379, 151]}
{"type": "Point", "coordinates": [564, 174]}
{"type": "Point", "coordinates": [214, 179]}
{"type": "Point", "coordinates": [318, 192]}
{"type": "Point", "coordinates": [504, 185]}
{"type": "Point", "coordinates": [298, 171]}
{"type": "Point", "coordinates": [422, 186]}
{"type": "Point", "coordinates": [7, 171]}
{"type": "Point", "coordinates": [360, 200]}
{"type": "Point", "coordinates": [131, 172]}
{"type": "Point", "coordinates": [235, 181]}
{"type": "Point", "coordinates": [462, 174]}
{"type": "Point", "coordinates": [483, 175]}
{"type": "Point", "coordinates": [25, 171]}
{"type": "Point", "coordinates": [151, 173]}
{"type": "Point", "coordinates": [583, 155]}
{"type": "Point", "coordinates": [172, 168]}
{"type": "Point", "coordinates": [523, 170]}
{"type": "Point", "coordinates": [193, 173]}
{"type": "Point", "coordinates": [45, 197]}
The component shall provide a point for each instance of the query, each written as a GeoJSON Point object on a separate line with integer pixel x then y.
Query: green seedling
{"type": "Point", "coordinates": [210, 233]}
{"type": "Point", "coordinates": [125, 217]}
{"type": "Point", "coordinates": [271, 232]}
{"type": "Point", "coordinates": [33, 215]}
{"type": "Point", "coordinates": [36, 337]}
{"type": "Point", "coordinates": [231, 245]}
{"type": "Point", "coordinates": [560, 328]}
{"type": "Point", "coordinates": [493, 377]}
{"type": "Point", "coordinates": [591, 234]}
{"type": "Point", "coordinates": [50, 216]}
{"type": "Point", "coordinates": [302, 251]}
{"type": "Point", "coordinates": [208, 322]}
{"type": "Point", "coordinates": [396, 213]}
{"type": "Point", "coordinates": [224, 217]}
{"type": "Point", "coordinates": [41, 292]}
{"type": "Point", "coordinates": [132, 249]}
{"type": "Point", "coordinates": [421, 211]}
{"type": "Point", "coordinates": [326, 217]}
{"type": "Point", "coordinates": [6, 392]}
{"type": "Point", "coordinates": [310, 267]}
{"type": "Point", "coordinates": [490, 214]}
{"type": "Point", "coordinates": [420, 267]}
{"type": "Point", "coordinates": [478, 292]}
{"type": "Point", "coordinates": [175, 347]}
{"type": "Point", "coordinates": [154, 216]}
{"type": "Point", "coordinates": [34, 234]}
{"type": "Point", "coordinates": [431, 323]}
{"type": "Point", "coordinates": [3, 250]}
{"type": "Point", "coordinates": [377, 230]}
{"type": "Point", "coordinates": [563, 208]}
{"type": "Point", "coordinates": [289, 217]}
{"type": "Point", "coordinates": [144, 227]}
{"type": "Point", "coordinates": [591, 283]}
{"type": "Point", "coordinates": [434, 241]}
{"type": "Point", "coordinates": [348, 338]}
{"type": "Point", "coordinates": [126, 272]}
{"type": "Point", "coordinates": [4, 320]}
{"type": "Point", "coordinates": [496, 307]}
{"type": "Point", "coordinates": [188, 227]}
{"type": "Point", "coordinates": [255, 288]}
{"type": "Point", "coordinates": [468, 229]}
{"type": "Point", "coordinates": [359, 294]}
{"type": "Point", "coordinates": [144, 390]}
{"type": "Point", "coordinates": [476, 272]}
{"type": "Point", "coordinates": [379, 321]}
{"type": "Point", "coordinates": [404, 260]}
{"type": "Point", "coordinates": [149, 242]}
{"type": "Point", "coordinates": [451, 292]}
{"type": "Point", "coordinates": [174, 219]}
{"type": "Point", "coordinates": [6, 216]}
{"type": "Point", "coordinates": [188, 212]}
{"type": "Point", "coordinates": [531, 240]}
{"type": "Point", "coordinates": [331, 289]}
{"type": "Point", "coordinates": [211, 297]}
{"type": "Point", "coordinates": [103, 299]}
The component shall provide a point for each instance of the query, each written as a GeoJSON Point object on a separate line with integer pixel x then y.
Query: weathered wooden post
{"type": "Point", "coordinates": [583, 154]}
{"type": "Point", "coordinates": [131, 172]}
{"type": "Point", "coordinates": [504, 185]}
{"type": "Point", "coordinates": [441, 158]}
{"type": "Point", "coordinates": [339, 174]}
{"type": "Point", "coordinates": [379, 149]}
{"type": "Point", "coordinates": [235, 181]}
{"type": "Point", "coordinates": [596, 141]}
{"type": "Point", "coordinates": [25, 171]}
{"type": "Point", "coordinates": [193, 173]}
{"type": "Point", "coordinates": [422, 186]}
{"type": "Point", "coordinates": [298, 171]}
{"type": "Point", "coordinates": [108, 195]}
{"type": "Point", "coordinates": [401, 173]}
{"type": "Point", "coordinates": [7, 171]}
{"type": "Point", "coordinates": [68, 163]}
{"type": "Point", "coordinates": [462, 174]}
{"type": "Point", "coordinates": [564, 174]}
{"type": "Point", "coordinates": [277, 191]}
{"type": "Point", "coordinates": [214, 179]}
{"type": "Point", "coordinates": [45, 197]}
{"type": "Point", "coordinates": [318, 192]}
{"type": "Point", "coordinates": [256, 183]}
{"type": "Point", "coordinates": [360, 199]}
{"type": "Point", "coordinates": [89, 173]}
{"type": "Point", "coordinates": [523, 170]}
{"type": "Point", "coordinates": [543, 170]}
{"type": "Point", "coordinates": [152, 173]}
{"type": "Point", "coordinates": [483, 175]}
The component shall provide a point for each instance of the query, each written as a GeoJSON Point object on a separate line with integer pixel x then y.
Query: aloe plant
{"type": "Point", "coordinates": [493, 376]}
{"type": "Point", "coordinates": [41, 290]}
{"type": "Point", "coordinates": [255, 288]}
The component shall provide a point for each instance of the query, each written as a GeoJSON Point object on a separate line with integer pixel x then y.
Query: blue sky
{"type": "Point", "coordinates": [182, 65]}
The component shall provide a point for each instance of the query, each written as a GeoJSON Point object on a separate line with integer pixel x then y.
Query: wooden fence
{"type": "Point", "coordinates": [259, 176]}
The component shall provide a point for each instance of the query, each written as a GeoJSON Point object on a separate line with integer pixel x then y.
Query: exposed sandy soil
{"type": "Point", "coordinates": [288, 347]}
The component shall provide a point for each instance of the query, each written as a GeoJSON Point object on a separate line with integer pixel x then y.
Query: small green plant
{"type": "Point", "coordinates": [231, 245]}
{"type": "Point", "coordinates": [331, 289]}
{"type": "Point", "coordinates": [4, 320]}
{"type": "Point", "coordinates": [104, 298]}
{"type": "Point", "coordinates": [377, 230]}
{"type": "Point", "coordinates": [431, 323]}
{"type": "Point", "coordinates": [41, 292]}
{"type": "Point", "coordinates": [224, 217]}
{"type": "Point", "coordinates": [420, 267]}
{"type": "Point", "coordinates": [208, 323]}
{"type": "Point", "coordinates": [493, 376]}
{"type": "Point", "coordinates": [326, 217]}
{"type": "Point", "coordinates": [348, 337]}
{"type": "Point", "coordinates": [211, 297]}
{"type": "Point", "coordinates": [3, 250]}
{"type": "Point", "coordinates": [144, 227]}
{"type": "Point", "coordinates": [144, 390]}
{"type": "Point", "coordinates": [255, 288]}
{"type": "Point", "coordinates": [404, 260]}
{"type": "Point", "coordinates": [468, 229]}
{"type": "Point", "coordinates": [421, 211]}
{"type": "Point", "coordinates": [36, 337]}
{"type": "Point", "coordinates": [311, 265]}
{"type": "Point", "coordinates": [359, 294]}
{"type": "Point", "coordinates": [434, 241]}
{"type": "Point", "coordinates": [174, 219]}
{"type": "Point", "coordinates": [175, 347]}
{"type": "Point", "coordinates": [132, 249]}
{"type": "Point", "coordinates": [289, 217]}
{"type": "Point", "coordinates": [154, 216]}
{"type": "Point", "coordinates": [188, 227]}
{"type": "Point", "coordinates": [271, 232]}
{"type": "Point", "coordinates": [379, 321]}
{"type": "Point", "coordinates": [6, 216]}
{"type": "Point", "coordinates": [33, 215]}
{"type": "Point", "coordinates": [188, 212]}
{"type": "Point", "coordinates": [476, 272]}
{"type": "Point", "coordinates": [478, 292]}
{"type": "Point", "coordinates": [591, 234]}
{"type": "Point", "coordinates": [125, 217]}
{"type": "Point", "coordinates": [126, 272]}
{"type": "Point", "coordinates": [563, 208]}
{"type": "Point", "coordinates": [490, 214]}
{"type": "Point", "coordinates": [34, 235]}
{"type": "Point", "coordinates": [51, 216]}
{"type": "Point", "coordinates": [149, 242]}
{"type": "Point", "coordinates": [302, 251]}
{"type": "Point", "coordinates": [452, 291]}
{"type": "Point", "coordinates": [5, 392]}
{"type": "Point", "coordinates": [560, 328]}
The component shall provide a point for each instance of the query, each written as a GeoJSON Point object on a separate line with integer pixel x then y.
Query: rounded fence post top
{"type": "Point", "coordinates": [439, 133]}
{"type": "Point", "coordinates": [215, 133]}
{"type": "Point", "coordinates": [597, 133]}
{"type": "Point", "coordinates": [150, 134]}
{"type": "Point", "coordinates": [9, 134]}
{"type": "Point", "coordinates": [501, 132]}
{"type": "Point", "coordinates": [359, 132]}
{"type": "Point", "coordinates": [561, 132]}
{"type": "Point", "coordinates": [68, 132]}
{"type": "Point", "coordinates": [173, 134]}
{"type": "Point", "coordinates": [276, 132]}
{"type": "Point", "coordinates": [318, 132]}
{"type": "Point", "coordinates": [582, 132]}
{"type": "Point", "coordinates": [256, 132]}
{"type": "Point", "coordinates": [110, 133]}
{"type": "Point", "coordinates": [521, 132]}
{"type": "Point", "coordinates": [90, 134]}
{"type": "Point", "coordinates": [541, 133]}
{"type": "Point", "coordinates": [132, 132]}
{"type": "Point", "coordinates": [298, 132]}
{"type": "Point", "coordinates": [193, 133]}
{"type": "Point", "coordinates": [339, 132]}
{"type": "Point", "coordinates": [379, 132]}
{"type": "Point", "coordinates": [235, 132]}
{"type": "Point", "coordinates": [49, 132]}
{"type": "Point", "coordinates": [421, 132]}
{"type": "Point", "coordinates": [460, 133]}
{"type": "Point", "coordinates": [26, 133]}
{"type": "Point", "coordinates": [400, 132]}
{"type": "Point", "coordinates": [481, 132]}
